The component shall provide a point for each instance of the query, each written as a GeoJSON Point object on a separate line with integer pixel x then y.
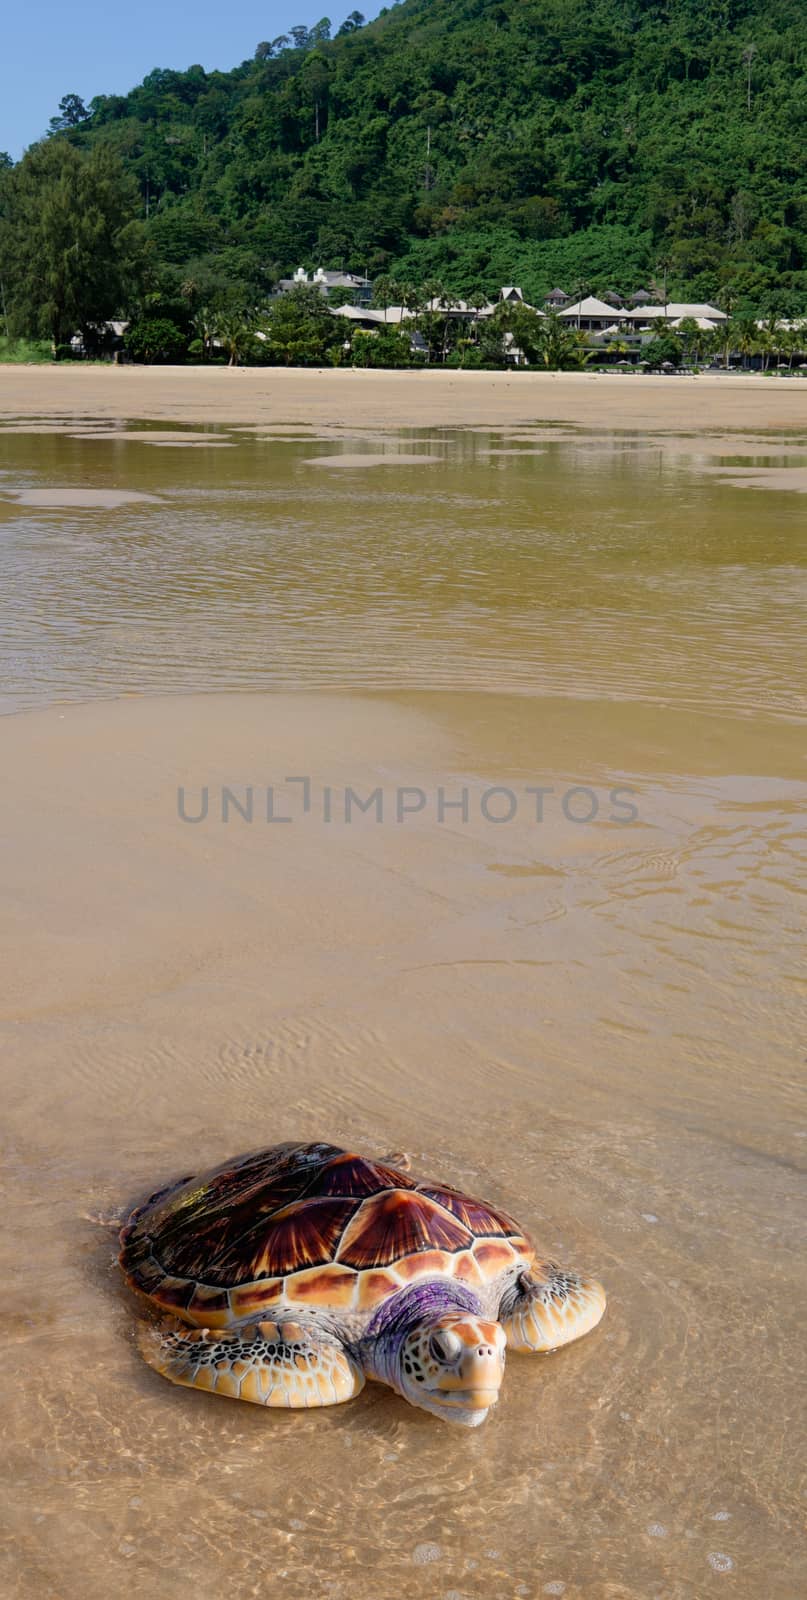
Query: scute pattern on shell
{"type": "Point", "coordinates": [294, 1209]}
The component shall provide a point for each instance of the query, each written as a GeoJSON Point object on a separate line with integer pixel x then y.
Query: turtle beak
{"type": "Point", "coordinates": [470, 1379]}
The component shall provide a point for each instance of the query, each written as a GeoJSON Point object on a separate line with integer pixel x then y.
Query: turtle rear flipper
{"type": "Point", "coordinates": [398, 1159]}
{"type": "Point", "coordinates": [269, 1364]}
{"type": "Point", "coordinates": [112, 1220]}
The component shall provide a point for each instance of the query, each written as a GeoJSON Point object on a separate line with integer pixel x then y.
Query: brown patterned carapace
{"type": "Point", "coordinates": [236, 1232]}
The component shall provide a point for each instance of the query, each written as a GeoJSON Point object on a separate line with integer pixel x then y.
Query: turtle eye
{"type": "Point", "coordinates": [445, 1345]}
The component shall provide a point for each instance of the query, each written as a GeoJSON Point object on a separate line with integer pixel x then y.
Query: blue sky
{"type": "Point", "coordinates": [54, 47]}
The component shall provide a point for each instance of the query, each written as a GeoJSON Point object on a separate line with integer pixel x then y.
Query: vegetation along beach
{"type": "Point", "coordinates": [403, 456]}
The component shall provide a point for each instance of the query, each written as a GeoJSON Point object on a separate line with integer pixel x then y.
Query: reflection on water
{"type": "Point", "coordinates": [581, 571]}
{"type": "Point", "coordinates": [599, 1028]}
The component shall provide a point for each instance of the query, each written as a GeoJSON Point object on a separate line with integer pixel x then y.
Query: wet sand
{"type": "Point", "coordinates": [86, 499]}
{"type": "Point", "coordinates": [317, 398]}
{"type": "Point", "coordinates": [539, 1014]}
{"type": "Point", "coordinates": [595, 1024]}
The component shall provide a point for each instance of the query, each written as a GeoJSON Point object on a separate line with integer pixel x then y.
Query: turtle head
{"type": "Point", "coordinates": [453, 1366]}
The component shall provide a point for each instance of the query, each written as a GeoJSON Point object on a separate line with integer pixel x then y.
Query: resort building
{"type": "Point", "coordinates": [675, 311]}
{"type": "Point", "coordinates": [591, 315]}
{"type": "Point", "coordinates": [373, 316]}
{"type": "Point", "coordinates": [361, 288]}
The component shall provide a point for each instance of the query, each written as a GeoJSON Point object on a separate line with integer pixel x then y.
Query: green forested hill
{"type": "Point", "coordinates": [490, 141]}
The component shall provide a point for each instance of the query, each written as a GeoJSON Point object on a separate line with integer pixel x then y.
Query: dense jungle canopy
{"type": "Point", "coordinates": [484, 142]}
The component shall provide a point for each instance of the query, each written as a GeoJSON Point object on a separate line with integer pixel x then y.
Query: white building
{"type": "Point", "coordinates": [674, 311]}
{"type": "Point", "coordinates": [591, 314]}
{"type": "Point", "coordinates": [326, 281]}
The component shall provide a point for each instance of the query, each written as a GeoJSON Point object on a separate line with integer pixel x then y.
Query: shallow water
{"type": "Point", "coordinates": [600, 568]}
{"type": "Point", "coordinates": [598, 1024]}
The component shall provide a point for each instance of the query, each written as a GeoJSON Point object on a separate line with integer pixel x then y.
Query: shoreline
{"type": "Point", "coordinates": [377, 400]}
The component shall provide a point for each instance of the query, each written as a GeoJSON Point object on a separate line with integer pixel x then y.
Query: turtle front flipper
{"type": "Point", "coordinates": [270, 1364]}
{"type": "Point", "coordinates": [548, 1308]}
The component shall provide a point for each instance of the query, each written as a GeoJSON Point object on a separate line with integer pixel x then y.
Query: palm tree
{"type": "Point", "coordinates": [236, 333]}
{"type": "Point", "coordinates": [691, 337]}
{"type": "Point", "coordinates": [765, 345]}
{"type": "Point", "coordinates": [432, 293]}
{"type": "Point", "coordinates": [205, 326]}
{"type": "Point", "coordinates": [618, 346]}
{"type": "Point", "coordinates": [386, 292]}
{"type": "Point", "coordinates": [746, 337]}
{"type": "Point", "coordinates": [775, 335]}
{"type": "Point", "coordinates": [381, 292]}
{"type": "Point", "coordinates": [448, 303]}
{"type": "Point", "coordinates": [728, 336]}
{"type": "Point", "coordinates": [795, 343]}
{"type": "Point", "coordinates": [658, 284]}
{"type": "Point", "coordinates": [477, 301]}
{"type": "Point", "coordinates": [562, 348]}
{"type": "Point", "coordinates": [545, 341]}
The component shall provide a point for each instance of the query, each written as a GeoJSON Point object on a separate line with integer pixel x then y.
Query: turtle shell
{"type": "Point", "coordinates": [308, 1225]}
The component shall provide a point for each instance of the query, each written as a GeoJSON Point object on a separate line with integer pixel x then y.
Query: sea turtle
{"type": "Point", "coordinates": [305, 1269]}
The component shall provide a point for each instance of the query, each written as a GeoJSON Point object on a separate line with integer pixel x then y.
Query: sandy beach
{"type": "Point", "coordinates": [319, 398]}
{"type": "Point", "coordinates": [555, 601]}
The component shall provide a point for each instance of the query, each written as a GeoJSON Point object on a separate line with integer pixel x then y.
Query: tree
{"type": "Point", "coordinates": [71, 248]}
{"type": "Point", "coordinates": [388, 347]}
{"type": "Point", "coordinates": [748, 60]}
{"type": "Point", "coordinates": [617, 346]}
{"type": "Point", "coordinates": [573, 149]}
{"type": "Point", "coordinates": [691, 337]}
{"type": "Point", "coordinates": [725, 340]}
{"type": "Point", "coordinates": [386, 292]}
{"type": "Point", "coordinates": [72, 112]}
{"type": "Point", "coordinates": [430, 320]}
{"type": "Point", "coordinates": [746, 338]}
{"type": "Point", "coordinates": [794, 343]}
{"type": "Point", "coordinates": [658, 283]}
{"type": "Point", "coordinates": [664, 350]}
{"type": "Point", "coordinates": [546, 341]}
{"type": "Point", "coordinates": [490, 342]}
{"type": "Point", "coordinates": [477, 300]}
{"type": "Point", "coordinates": [448, 303]}
{"type": "Point", "coordinates": [352, 22]}
{"type": "Point", "coordinates": [300, 329]}
{"type": "Point", "coordinates": [236, 335]}
{"type": "Point", "coordinates": [205, 327]}
{"type": "Point", "coordinates": [154, 339]}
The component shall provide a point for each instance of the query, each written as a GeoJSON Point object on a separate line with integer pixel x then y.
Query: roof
{"type": "Point", "coordinates": [705, 323]}
{"type": "Point", "coordinates": [458, 307]}
{"type": "Point", "coordinates": [677, 308]}
{"type": "Point", "coordinates": [340, 280]}
{"type": "Point", "coordinates": [797, 323]}
{"type": "Point", "coordinates": [390, 318]}
{"type": "Point", "coordinates": [557, 294]}
{"type": "Point", "coordinates": [590, 307]}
